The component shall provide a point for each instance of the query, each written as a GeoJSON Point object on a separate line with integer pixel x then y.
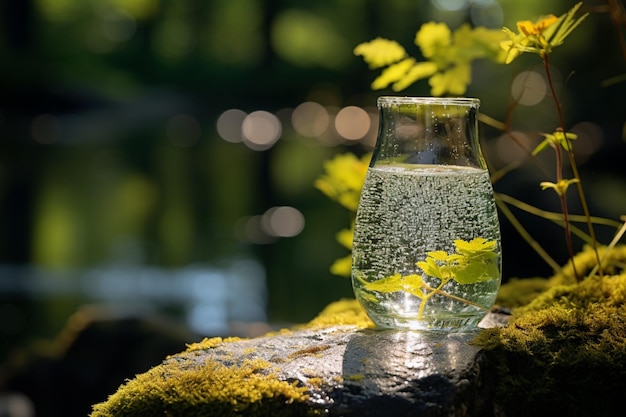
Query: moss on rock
{"type": "Point", "coordinates": [564, 353]}
{"type": "Point", "coordinates": [234, 386]}
{"type": "Point", "coordinates": [177, 388]}
{"type": "Point", "coordinates": [521, 291]}
{"type": "Point", "coordinates": [342, 312]}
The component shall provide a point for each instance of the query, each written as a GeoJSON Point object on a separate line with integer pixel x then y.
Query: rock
{"type": "Point", "coordinates": [562, 354]}
{"type": "Point", "coordinates": [341, 370]}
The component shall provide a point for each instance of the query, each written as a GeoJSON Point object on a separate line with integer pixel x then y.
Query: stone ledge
{"type": "Point", "coordinates": [335, 371]}
{"type": "Point", "coordinates": [564, 353]}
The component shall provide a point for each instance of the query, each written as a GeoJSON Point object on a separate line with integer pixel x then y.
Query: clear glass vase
{"type": "Point", "coordinates": [426, 253]}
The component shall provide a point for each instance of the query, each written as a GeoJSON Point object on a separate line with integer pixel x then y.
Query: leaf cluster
{"type": "Point", "coordinates": [557, 138]}
{"type": "Point", "coordinates": [447, 57]}
{"type": "Point", "coordinates": [343, 179]}
{"type": "Point", "coordinates": [474, 261]}
{"type": "Point", "coordinates": [542, 36]}
{"type": "Point", "coordinates": [342, 182]}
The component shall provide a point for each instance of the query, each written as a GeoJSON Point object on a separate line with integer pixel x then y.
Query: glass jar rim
{"type": "Point", "coordinates": [449, 101]}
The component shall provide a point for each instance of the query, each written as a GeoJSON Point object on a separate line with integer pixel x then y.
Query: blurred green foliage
{"type": "Point", "coordinates": [91, 173]}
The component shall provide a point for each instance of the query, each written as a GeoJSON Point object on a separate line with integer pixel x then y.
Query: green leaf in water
{"type": "Point", "coordinates": [409, 283]}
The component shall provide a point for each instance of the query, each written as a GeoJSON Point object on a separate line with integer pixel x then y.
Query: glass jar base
{"type": "Point", "coordinates": [449, 324]}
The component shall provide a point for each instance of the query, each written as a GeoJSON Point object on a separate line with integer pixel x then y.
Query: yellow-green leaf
{"type": "Point", "coordinates": [380, 52]}
{"type": "Point", "coordinates": [413, 285]}
{"type": "Point", "coordinates": [541, 37]}
{"type": "Point", "coordinates": [430, 267]}
{"type": "Point", "coordinates": [432, 38]}
{"type": "Point", "coordinates": [388, 284]}
{"type": "Point", "coordinates": [453, 81]}
{"type": "Point", "coordinates": [419, 71]}
{"type": "Point", "coordinates": [343, 179]}
{"type": "Point", "coordinates": [342, 266]}
{"type": "Point", "coordinates": [560, 187]}
{"type": "Point", "coordinates": [477, 244]}
{"type": "Point", "coordinates": [541, 147]}
{"type": "Point", "coordinates": [394, 283]}
{"type": "Point", "coordinates": [393, 73]}
{"type": "Point", "coordinates": [477, 272]}
{"type": "Point", "coordinates": [345, 236]}
{"type": "Point", "coordinates": [439, 255]}
{"type": "Point", "coordinates": [563, 26]}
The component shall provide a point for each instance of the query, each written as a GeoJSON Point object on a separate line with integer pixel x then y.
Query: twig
{"type": "Point", "coordinates": [616, 239]}
{"type": "Point", "coordinates": [525, 235]}
{"type": "Point", "coordinates": [454, 297]}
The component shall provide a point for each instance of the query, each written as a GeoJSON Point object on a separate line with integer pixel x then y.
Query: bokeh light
{"type": "Point", "coordinates": [529, 88]}
{"type": "Point", "coordinates": [450, 5]}
{"type": "Point", "coordinates": [250, 229]}
{"type": "Point", "coordinates": [487, 13]}
{"type": "Point", "coordinates": [310, 119]}
{"type": "Point", "coordinates": [590, 139]}
{"type": "Point", "coordinates": [260, 130]}
{"type": "Point", "coordinates": [276, 222]}
{"type": "Point", "coordinates": [229, 125]}
{"type": "Point", "coordinates": [369, 141]}
{"type": "Point", "coordinates": [514, 147]}
{"type": "Point", "coordinates": [283, 221]}
{"type": "Point", "coordinates": [352, 123]}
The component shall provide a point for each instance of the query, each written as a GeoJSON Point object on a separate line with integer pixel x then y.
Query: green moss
{"type": "Point", "coordinates": [176, 388]}
{"type": "Point", "coordinates": [519, 292]}
{"type": "Point", "coordinates": [355, 377]}
{"type": "Point", "coordinates": [565, 352]}
{"type": "Point", "coordinates": [179, 387]}
{"type": "Point", "coordinates": [342, 312]}
{"type": "Point", "coordinates": [210, 343]}
{"type": "Point", "coordinates": [613, 263]}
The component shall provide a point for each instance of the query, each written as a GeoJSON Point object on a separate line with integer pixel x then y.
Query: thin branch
{"type": "Point", "coordinates": [551, 215]}
{"type": "Point", "coordinates": [568, 236]}
{"type": "Point", "coordinates": [525, 235]}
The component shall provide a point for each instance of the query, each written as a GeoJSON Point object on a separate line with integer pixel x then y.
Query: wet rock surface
{"type": "Point", "coordinates": [365, 372]}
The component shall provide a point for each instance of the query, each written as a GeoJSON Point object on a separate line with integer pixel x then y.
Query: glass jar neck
{"type": "Point", "coordinates": [428, 131]}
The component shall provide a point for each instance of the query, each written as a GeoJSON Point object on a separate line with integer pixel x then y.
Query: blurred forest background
{"type": "Point", "coordinates": [158, 156]}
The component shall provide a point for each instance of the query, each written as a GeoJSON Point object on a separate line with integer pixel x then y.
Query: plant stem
{"type": "Point", "coordinates": [439, 290]}
{"type": "Point", "coordinates": [616, 239]}
{"type": "Point", "coordinates": [554, 216]}
{"type": "Point", "coordinates": [559, 171]}
{"type": "Point", "coordinates": [568, 235]}
{"type": "Point", "coordinates": [426, 297]}
{"type": "Point", "coordinates": [502, 199]}
{"type": "Point", "coordinates": [525, 235]}
{"type": "Point", "coordinates": [420, 312]}
{"type": "Point", "coordinates": [572, 159]}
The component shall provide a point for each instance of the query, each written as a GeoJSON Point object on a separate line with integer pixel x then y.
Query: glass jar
{"type": "Point", "coordinates": [426, 253]}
